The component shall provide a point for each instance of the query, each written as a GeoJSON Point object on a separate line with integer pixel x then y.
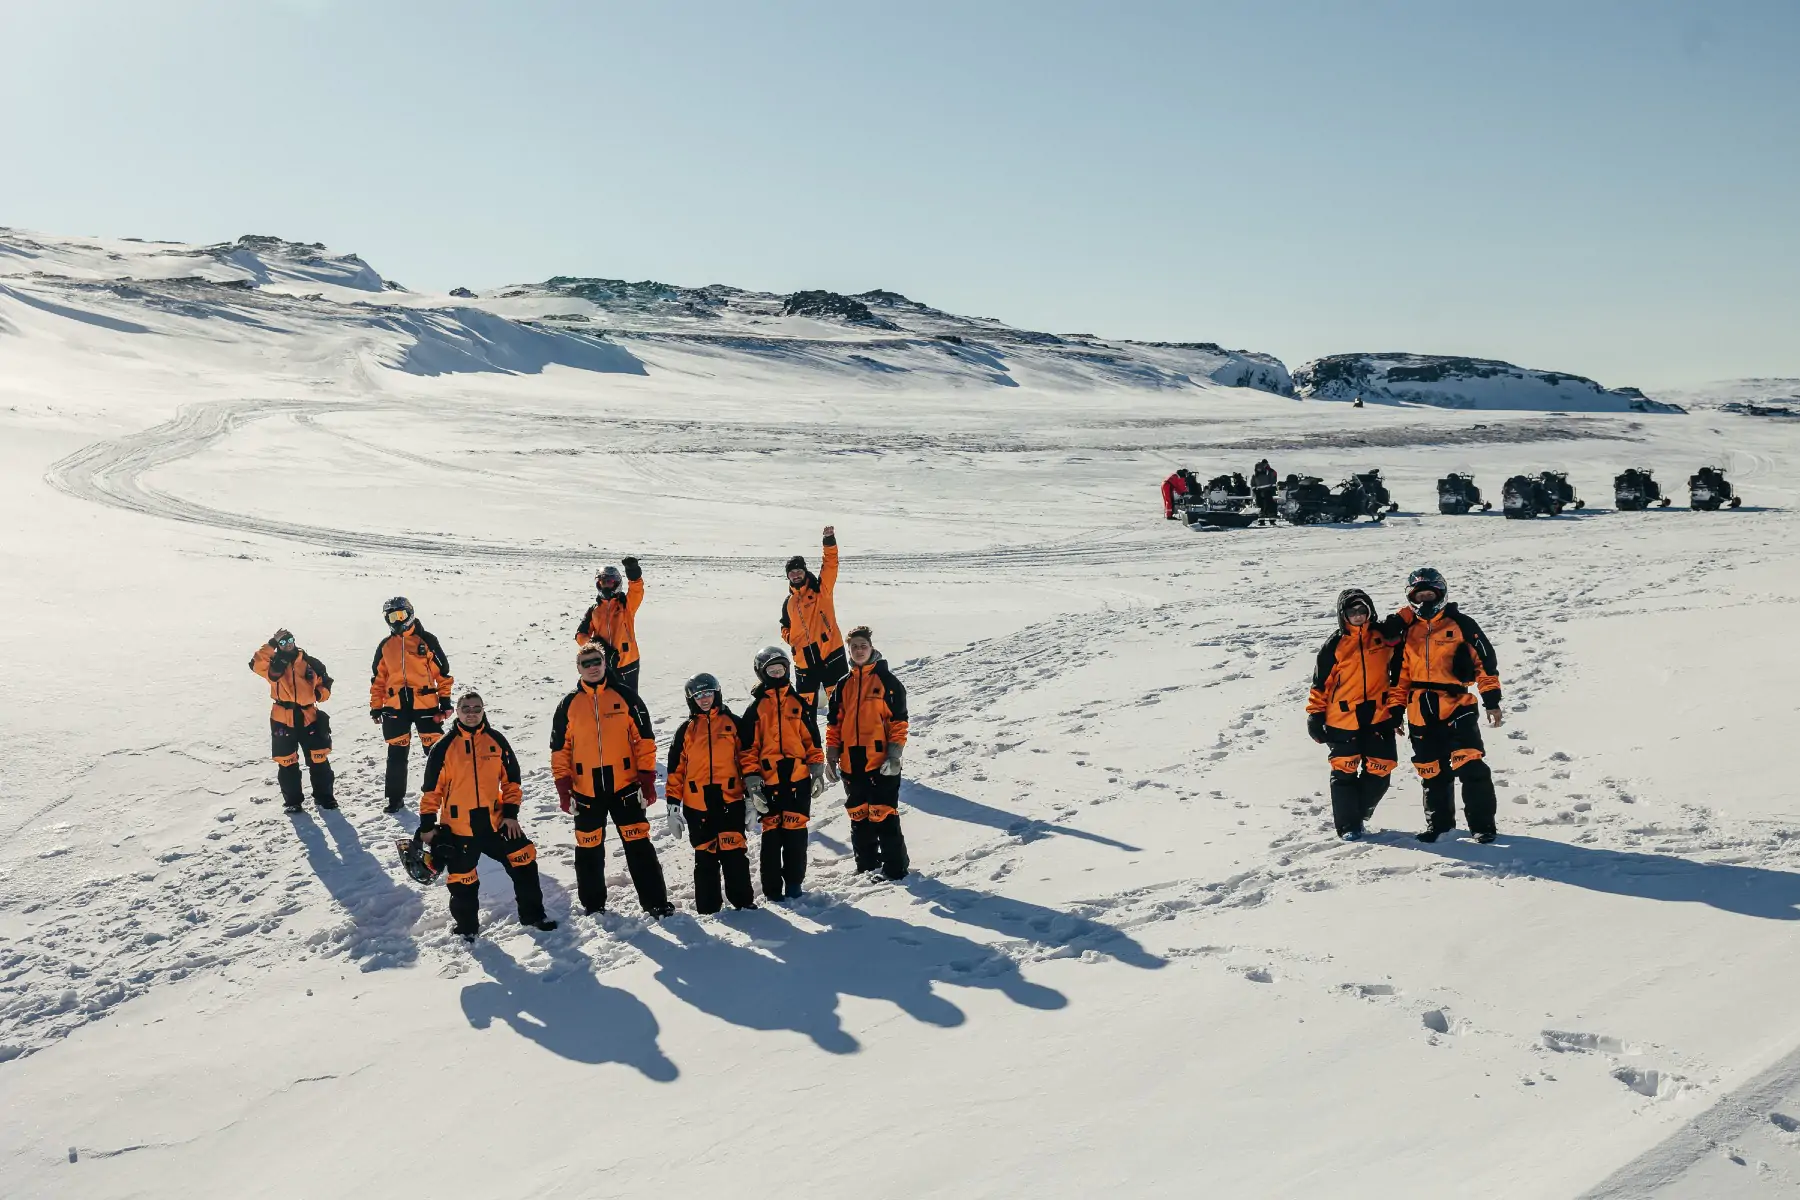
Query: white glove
{"type": "Point", "coordinates": [819, 784]}
{"type": "Point", "coordinates": [891, 764]}
{"type": "Point", "coordinates": [832, 774]}
{"type": "Point", "coordinates": [676, 819]}
{"type": "Point", "coordinates": [753, 788]}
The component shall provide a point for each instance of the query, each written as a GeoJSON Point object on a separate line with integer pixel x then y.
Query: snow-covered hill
{"type": "Point", "coordinates": [1132, 959]}
{"type": "Point", "coordinates": [294, 294]}
{"type": "Point", "coordinates": [1467, 383]}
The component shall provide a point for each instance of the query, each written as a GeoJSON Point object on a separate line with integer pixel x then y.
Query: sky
{"type": "Point", "coordinates": [1609, 187]}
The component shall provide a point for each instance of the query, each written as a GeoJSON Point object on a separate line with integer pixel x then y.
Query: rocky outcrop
{"type": "Point", "coordinates": [1453, 381]}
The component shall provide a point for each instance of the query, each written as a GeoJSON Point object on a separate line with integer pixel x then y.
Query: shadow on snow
{"type": "Point", "coordinates": [952, 807]}
{"type": "Point", "coordinates": [382, 911]}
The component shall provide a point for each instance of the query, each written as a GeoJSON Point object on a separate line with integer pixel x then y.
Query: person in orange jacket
{"type": "Point", "coordinates": [706, 785]}
{"type": "Point", "coordinates": [603, 758]}
{"type": "Point", "coordinates": [780, 734]}
{"type": "Point", "coordinates": [470, 807]}
{"type": "Point", "coordinates": [1444, 652]}
{"type": "Point", "coordinates": [298, 684]}
{"type": "Point", "coordinates": [1179, 485]}
{"type": "Point", "coordinates": [612, 618]}
{"type": "Point", "coordinates": [865, 736]}
{"type": "Point", "coordinates": [1347, 711]}
{"type": "Point", "coordinates": [809, 622]}
{"type": "Point", "coordinates": [409, 688]}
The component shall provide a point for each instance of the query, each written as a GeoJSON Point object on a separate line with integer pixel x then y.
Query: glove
{"type": "Point", "coordinates": [375, 715]}
{"type": "Point", "coordinates": [445, 708]}
{"type": "Point", "coordinates": [1315, 727]}
{"type": "Point", "coordinates": [676, 820]}
{"type": "Point", "coordinates": [819, 784]}
{"type": "Point", "coordinates": [753, 788]}
{"type": "Point", "coordinates": [891, 764]}
{"type": "Point", "coordinates": [648, 785]}
{"type": "Point", "coordinates": [565, 791]}
{"type": "Point", "coordinates": [427, 823]}
{"type": "Point", "coordinates": [832, 774]}
{"type": "Point", "coordinates": [632, 570]}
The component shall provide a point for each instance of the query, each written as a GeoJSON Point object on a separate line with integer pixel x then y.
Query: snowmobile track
{"type": "Point", "coordinates": [111, 473]}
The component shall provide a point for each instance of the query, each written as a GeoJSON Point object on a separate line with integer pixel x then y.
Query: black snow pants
{"type": "Point", "coordinates": [721, 852]}
{"type": "Point", "coordinates": [460, 856]}
{"type": "Point", "coordinates": [626, 808]}
{"type": "Point", "coordinates": [1444, 752]}
{"type": "Point", "coordinates": [784, 837]}
{"type": "Point", "coordinates": [286, 745]}
{"type": "Point", "coordinates": [1361, 762]}
{"type": "Point", "coordinates": [873, 802]}
{"type": "Point", "coordinates": [397, 727]}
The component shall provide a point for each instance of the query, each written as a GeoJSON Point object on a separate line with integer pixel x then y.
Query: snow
{"type": "Point", "coordinates": [1132, 958]}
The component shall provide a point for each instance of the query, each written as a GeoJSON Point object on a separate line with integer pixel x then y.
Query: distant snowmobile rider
{"type": "Point", "coordinates": [612, 618]}
{"type": "Point", "coordinates": [809, 622]}
{"type": "Point", "coordinates": [409, 688]}
{"type": "Point", "coordinates": [298, 684]}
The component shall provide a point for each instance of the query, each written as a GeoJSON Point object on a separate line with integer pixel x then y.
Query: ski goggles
{"type": "Point", "coordinates": [286, 643]}
{"type": "Point", "coordinates": [583, 664]}
{"type": "Point", "coordinates": [399, 617]}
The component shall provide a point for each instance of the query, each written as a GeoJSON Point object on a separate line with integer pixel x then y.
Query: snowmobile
{"type": "Point", "coordinates": [1634, 491]}
{"type": "Point", "coordinates": [1221, 504]}
{"type": "Point", "coordinates": [1305, 500]}
{"type": "Point", "coordinates": [1376, 502]}
{"type": "Point", "coordinates": [1562, 495]}
{"type": "Point", "coordinates": [1457, 494]}
{"type": "Point", "coordinates": [1709, 490]}
{"type": "Point", "coordinates": [1522, 498]}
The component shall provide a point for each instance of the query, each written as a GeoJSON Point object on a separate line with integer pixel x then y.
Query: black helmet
{"type": "Point", "coordinates": [398, 612]}
{"type": "Point", "coordinates": [415, 856]}
{"type": "Point", "coordinates": [700, 684]}
{"type": "Point", "coordinates": [609, 579]}
{"type": "Point", "coordinates": [1427, 579]}
{"type": "Point", "coordinates": [767, 657]}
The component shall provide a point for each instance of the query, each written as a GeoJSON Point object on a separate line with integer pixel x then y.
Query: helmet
{"type": "Point", "coordinates": [700, 684]}
{"type": "Point", "coordinates": [415, 856]}
{"type": "Point", "coordinates": [398, 611]}
{"type": "Point", "coordinates": [1427, 578]}
{"type": "Point", "coordinates": [609, 578]}
{"type": "Point", "coordinates": [767, 657]}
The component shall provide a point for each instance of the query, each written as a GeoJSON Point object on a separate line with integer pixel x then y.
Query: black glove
{"type": "Point", "coordinates": [445, 708]}
{"type": "Point", "coordinates": [1315, 727]}
{"type": "Point", "coordinates": [375, 715]}
{"type": "Point", "coordinates": [427, 822]}
{"type": "Point", "coordinates": [632, 570]}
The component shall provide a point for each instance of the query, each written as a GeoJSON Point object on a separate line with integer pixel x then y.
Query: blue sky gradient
{"type": "Point", "coordinates": [1598, 186]}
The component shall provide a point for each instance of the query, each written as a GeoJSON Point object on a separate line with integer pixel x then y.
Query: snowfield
{"type": "Point", "coordinates": [1131, 960]}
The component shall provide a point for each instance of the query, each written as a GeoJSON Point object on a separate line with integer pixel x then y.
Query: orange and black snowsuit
{"type": "Point", "coordinates": [1348, 710]}
{"type": "Point", "coordinates": [298, 684]}
{"type": "Point", "coordinates": [613, 619]}
{"type": "Point", "coordinates": [1444, 654]}
{"type": "Point", "coordinates": [409, 688]}
{"type": "Point", "coordinates": [809, 625]}
{"type": "Point", "coordinates": [780, 735]}
{"type": "Point", "coordinates": [868, 721]}
{"type": "Point", "coordinates": [601, 740]}
{"type": "Point", "coordinates": [706, 778]}
{"type": "Point", "coordinates": [471, 786]}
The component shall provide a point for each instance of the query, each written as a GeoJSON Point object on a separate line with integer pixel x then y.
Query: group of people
{"type": "Point", "coordinates": [1185, 485]}
{"type": "Point", "coordinates": [1414, 668]}
{"type": "Point", "coordinates": [603, 755]}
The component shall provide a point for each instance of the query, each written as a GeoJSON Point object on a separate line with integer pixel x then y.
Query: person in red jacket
{"type": "Point", "coordinates": [1180, 485]}
{"type": "Point", "coordinates": [1347, 711]}
{"type": "Point", "coordinates": [612, 618]}
{"type": "Point", "coordinates": [470, 807]}
{"type": "Point", "coordinates": [298, 684]}
{"type": "Point", "coordinates": [865, 736]}
{"type": "Point", "coordinates": [603, 759]}
{"type": "Point", "coordinates": [706, 785]}
{"type": "Point", "coordinates": [780, 735]}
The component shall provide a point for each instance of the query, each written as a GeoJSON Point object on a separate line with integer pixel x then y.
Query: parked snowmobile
{"type": "Point", "coordinates": [1709, 490]}
{"type": "Point", "coordinates": [1376, 501]}
{"type": "Point", "coordinates": [1634, 491]}
{"type": "Point", "coordinates": [1221, 504]}
{"type": "Point", "coordinates": [1457, 494]}
{"type": "Point", "coordinates": [1562, 494]}
{"type": "Point", "coordinates": [1522, 498]}
{"type": "Point", "coordinates": [1305, 500]}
